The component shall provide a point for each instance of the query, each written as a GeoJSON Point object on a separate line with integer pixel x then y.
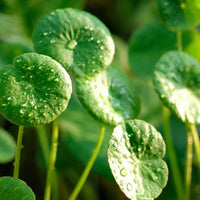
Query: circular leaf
{"type": "Point", "coordinates": [7, 146]}
{"type": "Point", "coordinates": [179, 14]}
{"type": "Point", "coordinates": [15, 189]}
{"type": "Point", "coordinates": [177, 80]}
{"type": "Point", "coordinates": [145, 50]}
{"type": "Point", "coordinates": [34, 90]}
{"type": "Point", "coordinates": [109, 97]}
{"type": "Point", "coordinates": [76, 39]}
{"type": "Point", "coordinates": [135, 155]}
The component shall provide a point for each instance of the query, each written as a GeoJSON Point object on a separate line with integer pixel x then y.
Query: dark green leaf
{"type": "Point", "coordinates": [109, 97]}
{"type": "Point", "coordinates": [135, 157]}
{"type": "Point", "coordinates": [150, 41]}
{"type": "Point", "coordinates": [34, 90]}
{"type": "Point", "coordinates": [177, 80]}
{"type": "Point", "coordinates": [180, 14]}
{"type": "Point", "coordinates": [7, 146]}
{"type": "Point", "coordinates": [15, 189]}
{"type": "Point", "coordinates": [76, 39]}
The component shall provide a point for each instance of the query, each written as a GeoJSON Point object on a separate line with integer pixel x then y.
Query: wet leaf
{"type": "Point", "coordinates": [109, 97]}
{"type": "Point", "coordinates": [177, 80]}
{"type": "Point", "coordinates": [7, 147]}
{"type": "Point", "coordinates": [178, 14]}
{"type": "Point", "coordinates": [135, 156]}
{"type": "Point", "coordinates": [76, 39]}
{"type": "Point", "coordinates": [34, 90]}
{"type": "Point", "coordinates": [15, 189]}
{"type": "Point", "coordinates": [145, 49]}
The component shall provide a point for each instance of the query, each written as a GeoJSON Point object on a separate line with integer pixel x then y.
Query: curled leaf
{"type": "Point", "coordinates": [177, 80]}
{"type": "Point", "coordinates": [109, 97]}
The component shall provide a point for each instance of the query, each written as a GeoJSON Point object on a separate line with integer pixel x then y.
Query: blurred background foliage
{"type": "Point", "coordinates": [132, 23]}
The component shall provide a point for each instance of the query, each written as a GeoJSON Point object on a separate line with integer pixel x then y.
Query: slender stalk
{"type": "Point", "coordinates": [52, 160]}
{"type": "Point", "coordinates": [196, 143]}
{"type": "Point", "coordinates": [172, 155]}
{"type": "Point", "coordinates": [188, 166]}
{"type": "Point", "coordinates": [89, 165]}
{"type": "Point", "coordinates": [44, 143]}
{"type": "Point", "coordinates": [179, 40]}
{"type": "Point", "coordinates": [18, 152]}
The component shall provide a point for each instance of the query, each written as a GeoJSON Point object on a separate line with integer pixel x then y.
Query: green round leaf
{"type": "Point", "coordinates": [177, 80]}
{"type": "Point", "coordinates": [76, 39]}
{"type": "Point", "coordinates": [15, 189]}
{"type": "Point", "coordinates": [109, 97]}
{"type": "Point", "coordinates": [34, 90]}
{"type": "Point", "coordinates": [7, 146]}
{"type": "Point", "coordinates": [145, 49]}
{"type": "Point", "coordinates": [180, 14]}
{"type": "Point", "coordinates": [135, 155]}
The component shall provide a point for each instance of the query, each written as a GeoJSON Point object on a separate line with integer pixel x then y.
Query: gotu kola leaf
{"type": "Point", "coordinates": [7, 146]}
{"type": "Point", "coordinates": [177, 80]}
{"type": "Point", "coordinates": [76, 39]}
{"type": "Point", "coordinates": [15, 189]}
{"type": "Point", "coordinates": [34, 90]}
{"type": "Point", "coordinates": [145, 50]}
{"type": "Point", "coordinates": [135, 155]}
{"type": "Point", "coordinates": [179, 14]}
{"type": "Point", "coordinates": [109, 97]}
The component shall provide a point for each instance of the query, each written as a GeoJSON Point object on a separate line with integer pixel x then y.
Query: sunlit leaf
{"type": "Point", "coordinates": [135, 156]}
{"type": "Point", "coordinates": [109, 97]}
{"type": "Point", "coordinates": [177, 80]}
{"type": "Point", "coordinates": [15, 189]}
{"type": "Point", "coordinates": [34, 90]}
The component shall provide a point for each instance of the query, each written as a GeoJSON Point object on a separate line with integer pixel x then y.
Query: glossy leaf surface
{"type": "Point", "coordinates": [34, 90]}
{"type": "Point", "coordinates": [7, 146]}
{"type": "Point", "coordinates": [151, 41]}
{"type": "Point", "coordinates": [76, 39]}
{"type": "Point", "coordinates": [180, 14]}
{"type": "Point", "coordinates": [135, 157]}
{"type": "Point", "coordinates": [109, 97]}
{"type": "Point", "coordinates": [177, 80]}
{"type": "Point", "coordinates": [15, 189]}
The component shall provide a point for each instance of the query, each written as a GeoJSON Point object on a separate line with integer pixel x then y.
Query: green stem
{"type": "Point", "coordinates": [188, 167]}
{"type": "Point", "coordinates": [18, 152]}
{"type": "Point", "coordinates": [179, 40]}
{"type": "Point", "coordinates": [89, 165]}
{"type": "Point", "coordinates": [44, 143]}
{"type": "Point", "coordinates": [52, 160]}
{"type": "Point", "coordinates": [172, 154]}
{"type": "Point", "coordinates": [196, 143]}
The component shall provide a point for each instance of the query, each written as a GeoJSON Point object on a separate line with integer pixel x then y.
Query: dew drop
{"type": "Point", "coordinates": [129, 187]}
{"type": "Point", "coordinates": [123, 172]}
{"type": "Point", "coordinates": [52, 41]}
{"type": "Point", "coordinates": [71, 44]}
{"type": "Point", "coordinates": [21, 111]}
{"type": "Point", "coordinates": [121, 183]}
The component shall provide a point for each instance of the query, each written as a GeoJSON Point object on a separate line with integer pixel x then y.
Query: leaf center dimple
{"type": "Point", "coordinates": [71, 44]}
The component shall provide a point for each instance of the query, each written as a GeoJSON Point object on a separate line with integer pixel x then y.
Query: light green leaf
{"type": "Point", "coordinates": [34, 90]}
{"type": "Point", "coordinates": [7, 146]}
{"type": "Point", "coordinates": [76, 39]}
{"type": "Point", "coordinates": [135, 155]}
{"type": "Point", "coordinates": [109, 97]}
{"type": "Point", "coordinates": [15, 189]}
{"type": "Point", "coordinates": [180, 14]}
{"type": "Point", "coordinates": [145, 49]}
{"type": "Point", "coordinates": [177, 80]}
